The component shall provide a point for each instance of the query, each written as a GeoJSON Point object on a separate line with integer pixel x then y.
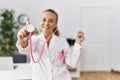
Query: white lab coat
{"type": "Point", "coordinates": [49, 67]}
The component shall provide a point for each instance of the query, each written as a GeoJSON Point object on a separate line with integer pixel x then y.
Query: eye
{"type": "Point", "coordinates": [43, 20]}
{"type": "Point", "coordinates": [51, 21]}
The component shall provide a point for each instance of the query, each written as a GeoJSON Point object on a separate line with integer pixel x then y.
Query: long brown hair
{"type": "Point", "coordinates": [57, 33]}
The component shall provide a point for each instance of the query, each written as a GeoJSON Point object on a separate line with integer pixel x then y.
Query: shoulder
{"type": "Point", "coordinates": [60, 38]}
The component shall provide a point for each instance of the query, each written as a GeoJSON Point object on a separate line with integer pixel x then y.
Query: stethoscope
{"type": "Point", "coordinates": [30, 28]}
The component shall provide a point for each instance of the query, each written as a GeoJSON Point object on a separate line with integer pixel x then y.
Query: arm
{"type": "Point", "coordinates": [23, 40]}
{"type": "Point", "coordinates": [73, 55]}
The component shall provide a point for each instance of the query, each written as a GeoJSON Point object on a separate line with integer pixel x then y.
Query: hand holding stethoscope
{"type": "Point", "coordinates": [23, 34]}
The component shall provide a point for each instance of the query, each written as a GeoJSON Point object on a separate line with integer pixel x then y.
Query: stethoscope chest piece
{"type": "Point", "coordinates": [30, 28]}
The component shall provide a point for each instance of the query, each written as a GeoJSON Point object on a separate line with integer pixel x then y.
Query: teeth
{"type": "Point", "coordinates": [46, 27]}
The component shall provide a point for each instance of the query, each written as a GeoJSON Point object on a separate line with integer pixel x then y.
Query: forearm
{"type": "Point", "coordinates": [73, 56]}
{"type": "Point", "coordinates": [21, 49]}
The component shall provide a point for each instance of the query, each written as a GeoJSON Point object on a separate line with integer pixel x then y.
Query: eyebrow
{"type": "Point", "coordinates": [49, 19]}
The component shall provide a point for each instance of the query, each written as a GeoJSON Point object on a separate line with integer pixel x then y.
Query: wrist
{"type": "Point", "coordinates": [23, 44]}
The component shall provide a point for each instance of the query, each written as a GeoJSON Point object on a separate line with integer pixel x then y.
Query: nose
{"type": "Point", "coordinates": [46, 23]}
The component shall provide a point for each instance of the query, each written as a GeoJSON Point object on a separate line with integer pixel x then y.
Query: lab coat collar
{"type": "Point", "coordinates": [53, 40]}
{"type": "Point", "coordinates": [41, 37]}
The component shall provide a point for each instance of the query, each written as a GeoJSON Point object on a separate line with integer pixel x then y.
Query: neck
{"type": "Point", "coordinates": [47, 36]}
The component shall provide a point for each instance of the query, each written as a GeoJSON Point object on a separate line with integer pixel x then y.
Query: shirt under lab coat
{"type": "Point", "coordinates": [50, 67]}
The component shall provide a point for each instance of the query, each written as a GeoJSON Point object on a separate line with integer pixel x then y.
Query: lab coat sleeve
{"type": "Point", "coordinates": [73, 55]}
{"type": "Point", "coordinates": [27, 49]}
{"type": "Point", "coordinates": [22, 50]}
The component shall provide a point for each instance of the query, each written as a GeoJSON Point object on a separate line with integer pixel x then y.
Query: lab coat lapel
{"type": "Point", "coordinates": [46, 60]}
{"type": "Point", "coordinates": [53, 42]}
{"type": "Point", "coordinates": [48, 65]}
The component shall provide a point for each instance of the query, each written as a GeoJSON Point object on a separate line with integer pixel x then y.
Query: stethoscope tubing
{"type": "Point", "coordinates": [42, 50]}
{"type": "Point", "coordinates": [31, 52]}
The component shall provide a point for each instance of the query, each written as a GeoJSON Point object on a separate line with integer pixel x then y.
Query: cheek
{"type": "Point", "coordinates": [41, 25]}
{"type": "Point", "coordinates": [53, 25]}
{"type": "Point", "coordinates": [53, 28]}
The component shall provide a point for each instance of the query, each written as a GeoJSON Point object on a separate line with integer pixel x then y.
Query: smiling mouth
{"type": "Point", "coordinates": [46, 28]}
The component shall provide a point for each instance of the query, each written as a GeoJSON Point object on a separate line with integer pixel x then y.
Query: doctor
{"type": "Point", "coordinates": [56, 54]}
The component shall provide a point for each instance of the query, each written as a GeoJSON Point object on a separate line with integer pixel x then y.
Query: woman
{"type": "Point", "coordinates": [56, 54]}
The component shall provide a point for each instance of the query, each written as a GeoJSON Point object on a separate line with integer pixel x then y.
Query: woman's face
{"type": "Point", "coordinates": [48, 22]}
